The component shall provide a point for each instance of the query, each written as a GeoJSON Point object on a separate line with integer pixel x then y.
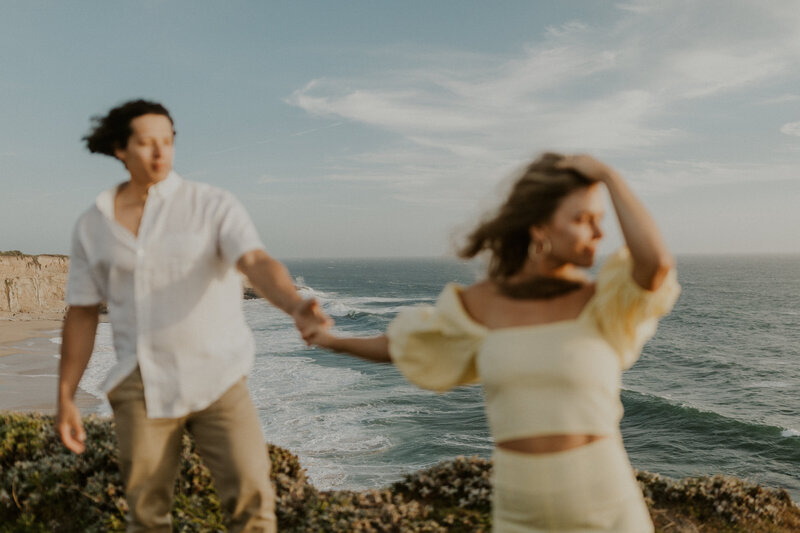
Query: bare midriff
{"type": "Point", "coordinates": [548, 443]}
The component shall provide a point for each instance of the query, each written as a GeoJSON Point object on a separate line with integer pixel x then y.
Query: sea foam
{"type": "Point", "coordinates": [103, 358]}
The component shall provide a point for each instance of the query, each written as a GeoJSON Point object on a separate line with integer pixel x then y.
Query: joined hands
{"type": "Point", "coordinates": [312, 323]}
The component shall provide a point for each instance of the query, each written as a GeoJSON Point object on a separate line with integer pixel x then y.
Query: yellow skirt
{"type": "Point", "coordinates": [584, 490]}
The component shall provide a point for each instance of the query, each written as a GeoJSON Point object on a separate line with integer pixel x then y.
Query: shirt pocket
{"type": "Point", "coordinates": [177, 255]}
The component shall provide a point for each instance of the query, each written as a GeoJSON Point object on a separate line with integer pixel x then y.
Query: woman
{"type": "Point", "coordinates": [548, 344]}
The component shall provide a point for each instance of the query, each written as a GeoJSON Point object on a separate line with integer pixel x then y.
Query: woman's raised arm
{"type": "Point", "coordinates": [652, 259]}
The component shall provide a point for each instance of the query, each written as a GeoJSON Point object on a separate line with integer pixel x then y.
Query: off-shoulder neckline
{"type": "Point", "coordinates": [456, 288]}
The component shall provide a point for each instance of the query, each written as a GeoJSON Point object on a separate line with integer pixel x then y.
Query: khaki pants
{"type": "Point", "coordinates": [228, 437]}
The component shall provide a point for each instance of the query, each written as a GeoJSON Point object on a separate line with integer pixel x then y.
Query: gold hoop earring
{"type": "Point", "coordinates": [537, 249]}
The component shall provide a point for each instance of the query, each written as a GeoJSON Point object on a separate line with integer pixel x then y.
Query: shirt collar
{"type": "Point", "coordinates": [163, 189]}
{"type": "Point", "coordinates": [166, 187]}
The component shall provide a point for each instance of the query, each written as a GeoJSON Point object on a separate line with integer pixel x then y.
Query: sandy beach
{"type": "Point", "coordinates": [29, 368]}
{"type": "Point", "coordinates": [16, 335]}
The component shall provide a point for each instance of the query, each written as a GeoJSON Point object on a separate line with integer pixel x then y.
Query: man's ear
{"type": "Point", "coordinates": [537, 233]}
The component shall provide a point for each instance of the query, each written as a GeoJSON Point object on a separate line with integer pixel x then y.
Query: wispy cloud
{"type": "Point", "coordinates": [641, 6]}
{"type": "Point", "coordinates": [314, 130]}
{"type": "Point", "coordinates": [621, 90]}
{"type": "Point", "coordinates": [266, 179]}
{"type": "Point", "coordinates": [782, 99]}
{"type": "Point", "coordinates": [274, 139]}
{"type": "Point", "coordinates": [791, 128]}
{"type": "Point", "coordinates": [401, 110]}
{"type": "Point", "coordinates": [672, 175]}
{"type": "Point", "coordinates": [699, 72]}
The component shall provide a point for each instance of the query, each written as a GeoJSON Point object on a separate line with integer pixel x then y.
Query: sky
{"type": "Point", "coordinates": [388, 129]}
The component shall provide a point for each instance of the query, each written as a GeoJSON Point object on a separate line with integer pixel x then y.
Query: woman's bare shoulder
{"type": "Point", "coordinates": [477, 299]}
{"type": "Point", "coordinates": [480, 289]}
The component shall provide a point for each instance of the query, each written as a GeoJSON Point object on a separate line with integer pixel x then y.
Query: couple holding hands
{"type": "Point", "coordinates": [547, 343]}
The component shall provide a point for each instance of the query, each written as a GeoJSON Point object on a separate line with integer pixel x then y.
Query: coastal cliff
{"type": "Point", "coordinates": [32, 285]}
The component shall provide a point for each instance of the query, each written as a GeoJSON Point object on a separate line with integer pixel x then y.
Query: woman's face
{"type": "Point", "coordinates": [574, 231]}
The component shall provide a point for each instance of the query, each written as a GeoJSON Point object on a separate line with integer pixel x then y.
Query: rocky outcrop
{"type": "Point", "coordinates": [32, 284]}
{"type": "Point", "coordinates": [44, 487]}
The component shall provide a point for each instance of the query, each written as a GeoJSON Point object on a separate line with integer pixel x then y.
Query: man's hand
{"type": "Point", "coordinates": [321, 338]}
{"type": "Point", "coordinates": [272, 281]}
{"type": "Point", "coordinates": [70, 426]}
{"type": "Point", "coordinates": [77, 343]}
{"type": "Point", "coordinates": [310, 318]}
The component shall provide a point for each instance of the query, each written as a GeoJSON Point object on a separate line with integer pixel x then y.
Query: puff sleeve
{"type": "Point", "coordinates": [626, 314]}
{"type": "Point", "coordinates": [435, 347]}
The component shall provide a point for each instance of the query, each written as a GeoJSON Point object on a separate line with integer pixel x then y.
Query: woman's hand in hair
{"type": "Point", "coordinates": [652, 260]}
{"type": "Point", "coordinates": [588, 167]}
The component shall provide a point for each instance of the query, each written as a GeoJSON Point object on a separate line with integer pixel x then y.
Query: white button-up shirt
{"type": "Point", "coordinates": [174, 295]}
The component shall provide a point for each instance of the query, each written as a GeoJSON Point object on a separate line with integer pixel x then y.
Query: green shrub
{"type": "Point", "coordinates": [46, 488]}
{"type": "Point", "coordinates": [45, 484]}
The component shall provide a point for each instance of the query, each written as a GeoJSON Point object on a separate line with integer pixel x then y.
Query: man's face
{"type": "Point", "coordinates": [148, 155]}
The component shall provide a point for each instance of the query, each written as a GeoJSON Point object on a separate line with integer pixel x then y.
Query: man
{"type": "Point", "coordinates": [162, 252]}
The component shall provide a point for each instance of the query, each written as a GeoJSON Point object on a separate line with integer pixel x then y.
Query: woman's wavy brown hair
{"type": "Point", "coordinates": [534, 198]}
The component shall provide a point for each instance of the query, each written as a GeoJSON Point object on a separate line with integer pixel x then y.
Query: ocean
{"type": "Point", "coordinates": [716, 391]}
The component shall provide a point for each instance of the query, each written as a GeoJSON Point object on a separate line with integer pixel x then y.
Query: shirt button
{"type": "Point", "coordinates": [139, 253]}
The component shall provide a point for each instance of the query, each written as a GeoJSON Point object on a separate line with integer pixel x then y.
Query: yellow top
{"type": "Point", "coordinates": [557, 378]}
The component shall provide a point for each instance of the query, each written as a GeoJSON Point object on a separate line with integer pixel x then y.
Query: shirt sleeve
{"type": "Point", "coordinates": [237, 234]}
{"type": "Point", "coordinates": [82, 288]}
{"type": "Point", "coordinates": [435, 347]}
{"type": "Point", "coordinates": [626, 314]}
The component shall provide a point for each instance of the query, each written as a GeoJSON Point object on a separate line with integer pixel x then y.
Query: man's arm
{"type": "Point", "coordinates": [271, 280]}
{"type": "Point", "coordinates": [77, 343]}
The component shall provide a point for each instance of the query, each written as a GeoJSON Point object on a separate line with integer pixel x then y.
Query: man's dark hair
{"type": "Point", "coordinates": [113, 130]}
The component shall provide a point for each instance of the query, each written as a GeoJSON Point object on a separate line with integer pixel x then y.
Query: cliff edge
{"type": "Point", "coordinates": [44, 487]}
